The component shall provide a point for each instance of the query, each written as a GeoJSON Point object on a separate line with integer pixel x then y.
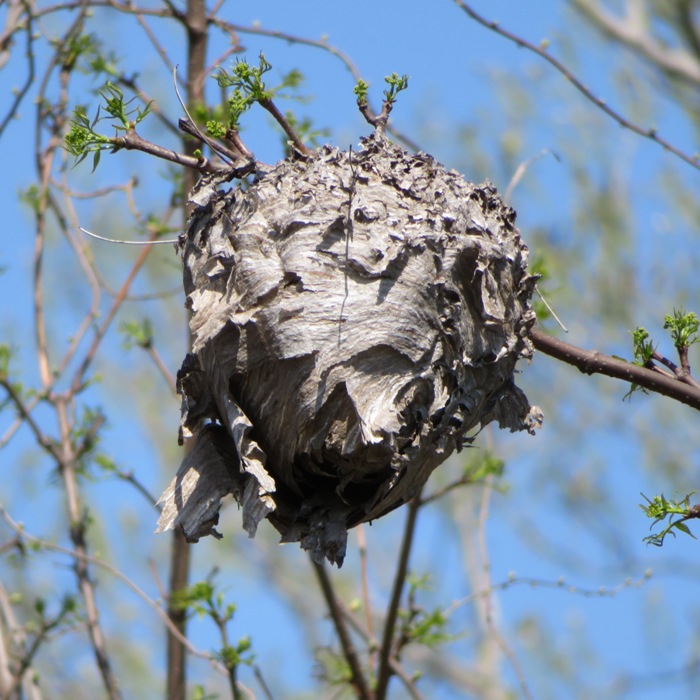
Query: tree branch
{"type": "Point", "coordinates": [271, 107]}
{"type": "Point", "coordinates": [594, 362]}
{"type": "Point", "coordinates": [133, 142]}
{"type": "Point", "coordinates": [674, 62]}
{"type": "Point", "coordinates": [386, 650]}
{"type": "Point", "coordinates": [622, 121]}
{"type": "Point", "coordinates": [358, 679]}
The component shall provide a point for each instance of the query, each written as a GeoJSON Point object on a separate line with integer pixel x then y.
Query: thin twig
{"type": "Point", "coordinates": [29, 51]}
{"type": "Point", "coordinates": [358, 679]}
{"type": "Point", "coordinates": [77, 517]}
{"type": "Point", "coordinates": [133, 142]}
{"type": "Point", "coordinates": [386, 650]}
{"type": "Point", "coordinates": [559, 66]}
{"type": "Point", "coordinates": [674, 62]}
{"type": "Point", "coordinates": [522, 169]}
{"type": "Point", "coordinates": [487, 600]}
{"type": "Point", "coordinates": [366, 602]}
{"type": "Point", "coordinates": [271, 107]}
{"type": "Point", "coordinates": [373, 643]}
{"type": "Point", "coordinates": [263, 684]}
{"type": "Point", "coordinates": [79, 375]}
{"type": "Point", "coordinates": [544, 584]}
{"type": "Point", "coordinates": [158, 241]}
{"type": "Point", "coordinates": [43, 544]}
{"type": "Point", "coordinates": [550, 309]}
{"type": "Point", "coordinates": [25, 415]}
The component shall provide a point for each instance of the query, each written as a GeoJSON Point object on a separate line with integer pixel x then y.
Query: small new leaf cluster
{"type": "Point", "coordinates": [678, 512]}
{"type": "Point", "coordinates": [396, 84]}
{"type": "Point", "coordinates": [643, 347]}
{"type": "Point", "coordinates": [420, 626]}
{"type": "Point", "coordinates": [248, 88]}
{"type": "Point", "coordinates": [83, 139]}
{"type": "Point", "coordinates": [361, 90]}
{"type": "Point", "coordinates": [203, 600]}
{"type": "Point", "coordinates": [137, 335]}
{"type": "Point", "coordinates": [683, 327]}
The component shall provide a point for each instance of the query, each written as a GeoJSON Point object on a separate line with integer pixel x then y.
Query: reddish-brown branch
{"type": "Point", "coordinates": [378, 121]}
{"type": "Point", "coordinates": [271, 107]}
{"type": "Point", "coordinates": [133, 142]}
{"type": "Point", "coordinates": [593, 362]}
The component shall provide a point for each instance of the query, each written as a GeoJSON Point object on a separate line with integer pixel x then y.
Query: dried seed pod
{"type": "Point", "coordinates": [355, 315]}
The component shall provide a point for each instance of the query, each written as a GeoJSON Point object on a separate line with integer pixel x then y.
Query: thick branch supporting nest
{"type": "Point", "coordinates": [356, 316]}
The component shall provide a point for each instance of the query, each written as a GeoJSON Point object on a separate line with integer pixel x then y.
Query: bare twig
{"type": "Point", "coordinates": [79, 375]}
{"type": "Point", "coordinates": [14, 666]}
{"type": "Point", "coordinates": [159, 241]}
{"type": "Point", "coordinates": [29, 51]}
{"type": "Point", "coordinates": [682, 373]}
{"type": "Point", "coordinates": [676, 63]}
{"type": "Point", "coordinates": [366, 603]}
{"type": "Point", "coordinates": [24, 412]}
{"type": "Point", "coordinates": [544, 584]}
{"type": "Point", "coordinates": [373, 643]}
{"type": "Point", "coordinates": [487, 600]}
{"type": "Point", "coordinates": [271, 107]}
{"type": "Point", "coordinates": [550, 309]}
{"type": "Point", "coordinates": [44, 544]}
{"type": "Point", "coordinates": [386, 650]}
{"type": "Point", "coordinates": [78, 523]}
{"type": "Point", "coordinates": [132, 141]}
{"type": "Point", "coordinates": [559, 66]}
{"type": "Point", "coordinates": [522, 169]}
{"type": "Point", "coordinates": [358, 679]}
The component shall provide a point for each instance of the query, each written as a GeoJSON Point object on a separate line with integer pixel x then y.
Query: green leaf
{"type": "Point", "coordinates": [643, 347]}
{"type": "Point", "coordinates": [396, 84]}
{"type": "Point", "coordinates": [137, 334]}
{"type": "Point", "coordinates": [683, 327]}
{"type": "Point", "coordinates": [361, 90]}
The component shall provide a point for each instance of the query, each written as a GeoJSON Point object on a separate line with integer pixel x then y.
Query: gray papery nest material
{"type": "Point", "coordinates": [356, 317]}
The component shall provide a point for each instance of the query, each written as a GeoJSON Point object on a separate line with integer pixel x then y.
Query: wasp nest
{"type": "Point", "coordinates": [356, 315]}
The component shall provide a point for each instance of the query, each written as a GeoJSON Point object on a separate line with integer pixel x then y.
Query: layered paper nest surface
{"type": "Point", "coordinates": [356, 316]}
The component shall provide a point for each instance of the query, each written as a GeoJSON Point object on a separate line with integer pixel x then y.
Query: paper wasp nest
{"type": "Point", "coordinates": [355, 315]}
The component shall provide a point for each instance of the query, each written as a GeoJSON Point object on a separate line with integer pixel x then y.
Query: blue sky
{"type": "Point", "coordinates": [591, 442]}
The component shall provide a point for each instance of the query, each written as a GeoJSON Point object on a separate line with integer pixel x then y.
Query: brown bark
{"type": "Point", "coordinates": [195, 24]}
{"type": "Point", "coordinates": [356, 317]}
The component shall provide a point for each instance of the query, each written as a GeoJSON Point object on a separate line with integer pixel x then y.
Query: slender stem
{"type": "Point", "coordinates": [271, 107]}
{"type": "Point", "coordinates": [559, 66]}
{"type": "Point", "coordinates": [366, 603]}
{"type": "Point", "coordinates": [593, 362]}
{"type": "Point", "coordinates": [358, 679]}
{"type": "Point", "coordinates": [386, 650]}
{"type": "Point", "coordinates": [371, 640]}
{"type": "Point", "coordinates": [486, 601]}
{"type": "Point", "coordinates": [43, 544]}
{"type": "Point", "coordinates": [133, 142]}
{"type": "Point", "coordinates": [25, 415]}
{"type": "Point", "coordinates": [77, 520]}
{"type": "Point", "coordinates": [77, 382]}
{"type": "Point", "coordinates": [29, 53]}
